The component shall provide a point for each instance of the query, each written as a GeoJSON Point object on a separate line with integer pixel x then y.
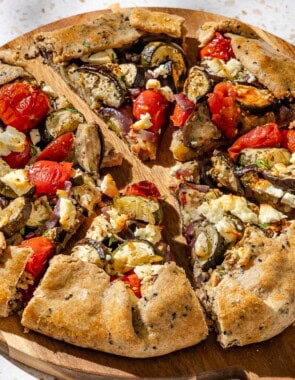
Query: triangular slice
{"type": "Point", "coordinates": [126, 65]}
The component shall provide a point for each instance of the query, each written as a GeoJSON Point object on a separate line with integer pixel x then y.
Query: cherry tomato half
{"type": "Point", "coordinates": [58, 149]}
{"type": "Point", "coordinates": [224, 109]}
{"type": "Point", "coordinates": [288, 139]}
{"type": "Point", "coordinates": [18, 160]}
{"type": "Point", "coordinates": [218, 47]}
{"type": "Point", "coordinates": [49, 176]}
{"type": "Point", "coordinates": [155, 104]}
{"type": "Point", "coordinates": [183, 109]}
{"type": "Point", "coordinates": [266, 136]}
{"type": "Point", "coordinates": [43, 250]}
{"type": "Point", "coordinates": [132, 281]}
{"type": "Point", "coordinates": [144, 189]}
{"type": "Point", "coordinates": [22, 106]}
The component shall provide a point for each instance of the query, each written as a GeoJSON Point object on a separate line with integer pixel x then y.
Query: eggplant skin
{"type": "Point", "coordinates": [254, 99]}
{"type": "Point", "coordinates": [197, 84]}
{"type": "Point", "coordinates": [16, 215]}
{"type": "Point", "coordinates": [283, 182]}
{"type": "Point", "coordinates": [199, 132]}
{"type": "Point", "coordinates": [89, 147]}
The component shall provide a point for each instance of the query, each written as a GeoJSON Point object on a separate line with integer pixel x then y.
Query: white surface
{"type": "Point", "coordinates": [20, 16]}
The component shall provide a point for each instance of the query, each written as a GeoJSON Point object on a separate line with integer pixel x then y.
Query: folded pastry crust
{"type": "Point", "coordinates": [77, 303]}
{"type": "Point", "coordinates": [257, 302]}
{"type": "Point", "coordinates": [12, 266]}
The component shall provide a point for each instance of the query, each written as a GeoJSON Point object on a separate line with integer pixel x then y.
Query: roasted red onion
{"type": "Point", "coordinates": [123, 117]}
{"type": "Point", "coordinates": [183, 102]}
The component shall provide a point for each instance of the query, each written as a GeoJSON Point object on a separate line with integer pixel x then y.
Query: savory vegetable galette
{"type": "Point", "coordinates": [118, 289]}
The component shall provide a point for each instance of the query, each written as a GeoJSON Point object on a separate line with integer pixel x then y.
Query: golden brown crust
{"type": "Point", "coordinates": [76, 302]}
{"type": "Point", "coordinates": [110, 30]}
{"type": "Point", "coordinates": [256, 302]}
{"type": "Point", "coordinates": [12, 266]}
{"type": "Point", "coordinates": [274, 70]}
{"type": "Point", "coordinates": [157, 22]}
{"type": "Point", "coordinates": [206, 31]}
{"type": "Point", "coordinates": [10, 66]}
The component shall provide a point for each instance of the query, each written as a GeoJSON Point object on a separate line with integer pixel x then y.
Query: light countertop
{"type": "Point", "coordinates": [20, 16]}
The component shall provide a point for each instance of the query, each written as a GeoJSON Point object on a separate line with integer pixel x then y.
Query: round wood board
{"type": "Point", "coordinates": [271, 358]}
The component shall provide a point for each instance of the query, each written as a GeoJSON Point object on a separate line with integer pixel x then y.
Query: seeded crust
{"type": "Point", "coordinates": [206, 31]}
{"type": "Point", "coordinates": [77, 303]}
{"type": "Point", "coordinates": [274, 70]}
{"type": "Point", "coordinates": [257, 301]}
{"type": "Point", "coordinates": [12, 266]}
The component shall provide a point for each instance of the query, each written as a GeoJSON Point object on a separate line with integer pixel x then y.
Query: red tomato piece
{"type": "Point", "coordinates": [266, 136]}
{"type": "Point", "coordinates": [132, 281]}
{"type": "Point", "coordinates": [144, 189]}
{"type": "Point", "coordinates": [183, 109]}
{"type": "Point", "coordinates": [49, 176]}
{"type": "Point", "coordinates": [224, 109]}
{"type": "Point", "coordinates": [22, 106]}
{"type": "Point", "coordinates": [288, 139]}
{"type": "Point", "coordinates": [43, 250]}
{"type": "Point", "coordinates": [155, 104]}
{"type": "Point", "coordinates": [18, 160]}
{"type": "Point", "coordinates": [218, 47]}
{"type": "Point", "coordinates": [58, 149]}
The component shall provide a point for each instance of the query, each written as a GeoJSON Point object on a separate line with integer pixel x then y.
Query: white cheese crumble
{"type": "Point", "coordinates": [288, 199]}
{"type": "Point", "coordinates": [11, 140]}
{"type": "Point", "coordinates": [153, 84]}
{"type": "Point", "coordinates": [292, 159]}
{"type": "Point", "coordinates": [214, 210]}
{"type": "Point", "coordinates": [145, 122]}
{"type": "Point", "coordinates": [35, 136]}
{"type": "Point", "coordinates": [227, 229]}
{"type": "Point", "coordinates": [150, 233]}
{"type": "Point", "coordinates": [67, 211]}
{"type": "Point", "coordinates": [268, 214]}
{"type": "Point", "coordinates": [108, 186]}
{"type": "Point", "coordinates": [231, 69]}
{"type": "Point", "coordinates": [100, 229]}
{"type": "Point", "coordinates": [117, 220]}
{"type": "Point", "coordinates": [145, 272]}
{"type": "Point", "coordinates": [18, 181]}
{"type": "Point", "coordinates": [161, 71]}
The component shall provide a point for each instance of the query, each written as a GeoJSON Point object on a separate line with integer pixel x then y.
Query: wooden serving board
{"type": "Point", "coordinates": [268, 359]}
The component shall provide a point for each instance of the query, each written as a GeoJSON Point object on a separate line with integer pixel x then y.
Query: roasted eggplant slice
{"type": "Point", "coordinates": [264, 158]}
{"type": "Point", "coordinates": [134, 75]}
{"type": "Point", "coordinates": [119, 120]}
{"type": "Point", "coordinates": [103, 84]}
{"type": "Point", "coordinates": [223, 172]}
{"type": "Point", "coordinates": [199, 132]}
{"type": "Point", "coordinates": [140, 208]}
{"type": "Point", "coordinates": [156, 53]}
{"type": "Point", "coordinates": [89, 147]}
{"type": "Point", "coordinates": [197, 84]}
{"type": "Point", "coordinates": [133, 253]}
{"type": "Point", "coordinates": [91, 251]}
{"type": "Point", "coordinates": [86, 193]}
{"type": "Point", "coordinates": [253, 98]}
{"type": "Point", "coordinates": [14, 217]}
{"type": "Point", "coordinates": [62, 121]}
{"type": "Point", "coordinates": [249, 121]}
{"type": "Point", "coordinates": [209, 246]}
{"type": "Point", "coordinates": [281, 176]}
{"type": "Point", "coordinates": [16, 182]}
{"type": "Point", "coordinates": [100, 57]}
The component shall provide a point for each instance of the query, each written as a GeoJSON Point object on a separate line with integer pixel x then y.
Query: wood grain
{"type": "Point", "coordinates": [272, 358]}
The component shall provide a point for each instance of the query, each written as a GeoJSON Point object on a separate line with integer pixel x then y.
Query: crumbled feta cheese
{"type": "Point", "coordinates": [288, 199]}
{"type": "Point", "coordinates": [108, 186]}
{"type": "Point", "coordinates": [231, 69]}
{"type": "Point", "coordinates": [35, 136]}
{"type": "Point", "coordinates": [292, 159]}
{"type": "Point", "coordinates": [67, 211]}
{"type": "Point", "coordinates": [11, 140]}
{"type": "Point", "coordinates": [145, 122]}
{"type": "Point", "coordinates": [268, 214]}
{"type": "Point", "coordinates": [214, 210]}
{"type": "Point", "coordinates": [201, 246]}
{"type": "Point", "coordinates": [153, 84]}
{"type": "Point", "coordinates": [100, 229]}
{"type": "Point", "coordinates": [161, 71]}
{"type": "Point", "coordinates": [150, 233]}
{"type": "Point", "coordinates": [117, 220]}
{"type": "Point", "coordinates": [145, 272]}
{"type": "Point", "coordinates": [167, 93]}
{"type": "Point", "coordinates": [228, 230]}
{"type": "Point", "coordinates": [18, 181]}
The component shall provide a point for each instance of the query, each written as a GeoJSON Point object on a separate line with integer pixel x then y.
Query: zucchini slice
{"type": "Point", "coordinates": [197, 84]}
{"type": "Point", "coordinates": [14, 217]}
{"type": "Point", "coordinates": [252, 98]}
{"type": "Point", "coordinates": [140, 208]}
{"type": "Point", "coordinates": [63, 121]}
{"type": "Point", "coordinates": [156, 53]}
{"type": "Point", "coordinates": [133, 253]}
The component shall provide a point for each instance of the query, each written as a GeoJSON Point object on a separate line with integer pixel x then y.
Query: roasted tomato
{"type": "Point", "coordinates": [22, 106]}
{"type": "Point", "coordinates": [132, 281]}
{"type": "Point", "coordinates": [49, 176]}
{"type": "Point", "coordinates": [144, 189]}
{"type": "Point", "coordinates": [224, 109]}
{"type": "Point", "coordinates": [288, 139]}
{"type": "Point", "coordinates": [153, 103]}
{"type": "Point", "coordinates": [18, 160]}
{"type": "Point", "coordinates": [43, 250]}
{"type": "Point", "coordinates": [183, 109]}
{"type": "Point", "coordinates": [266, 136]}
{"type": "Point", "coordinates": [218, 47]}
{"type": "Point", "coordinates": [58, 149]}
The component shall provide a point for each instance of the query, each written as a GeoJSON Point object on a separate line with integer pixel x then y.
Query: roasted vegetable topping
{"type": "Point", "coordinates": [218, 47]}
{"type": "Point", "coordinates": [197, 84]}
